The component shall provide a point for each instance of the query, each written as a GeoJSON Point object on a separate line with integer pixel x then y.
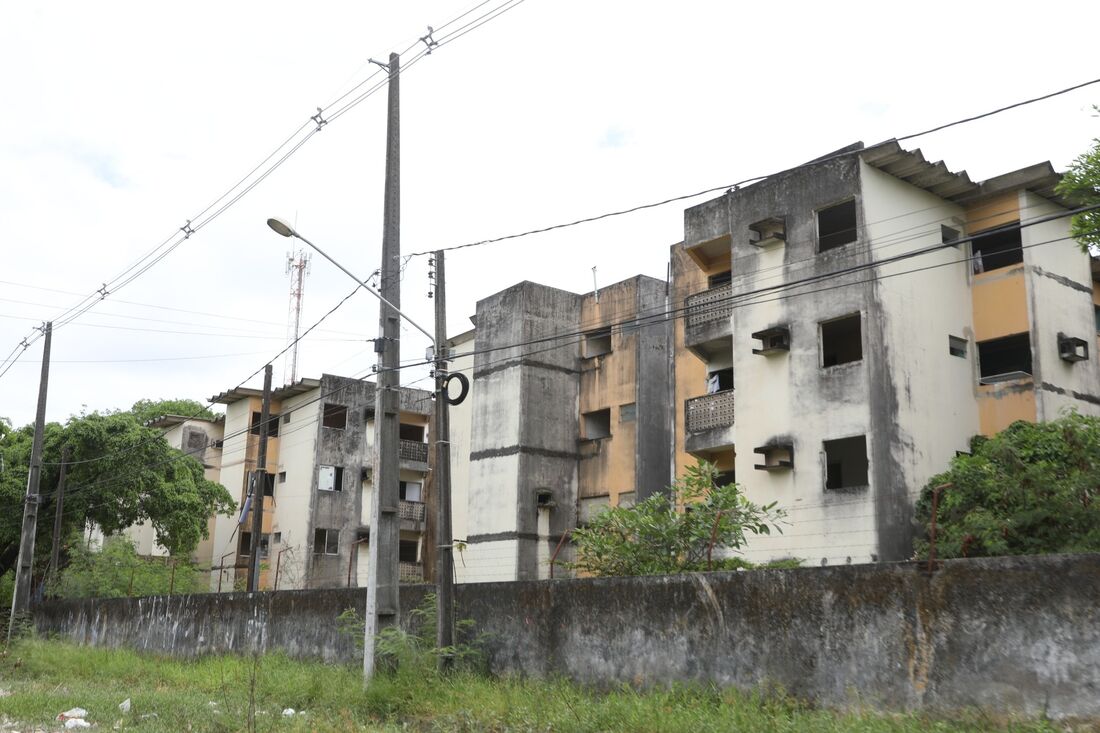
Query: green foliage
{"type": "Point", "coordinates": [214, 694]}
{"type": "Point", "coordinates": [146, 410]}
{"type": "Point", "coordinates": [1029, 490]}
{"type": "Point", "coordinates": [656, 537]}
{"type": "Point", "coordinates": [117, 570]}
{"type": "Point", "coordinates": [121, 473]}
{"type": "Point", "coordinates": [1081, 185]}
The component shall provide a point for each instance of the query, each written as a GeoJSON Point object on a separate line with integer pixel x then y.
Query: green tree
{"type": "Point", "coordinates": [686, 531]}
{"type": "Point", "coordinates": [117, 570]}
{"type": "Point", "coordinates": [120, 473]}
{"type": "Point", "coordinates": [1081, 185]}
{"type": "Point", "coordinates": [1031, 489]}
{"type": "Point", "coordinates": [146, 410]}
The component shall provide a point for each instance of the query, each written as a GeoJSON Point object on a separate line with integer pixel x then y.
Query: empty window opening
{"type": "Point", "coordinates": [720, 380]}
{"type": "Point", "coordinates": [282, 477]}
{"type": "Point", "coordinates": [949, 235]}
{"type": "Point", "coordinates": [414, 433]}
{"type": "Point", "coordinates": [410, 490]}
{"type": "Point", "coordinates": [330, 478]}
{"type": "Point", "coordinates": [996, 249]}
{"type": "Point", "coordinates": [1096, 315]}
{"type": "Point", "coordinates": [768, 232]}
{"type": "Point", "coordinates": [956, 346]}
{"type": "Point", "coordinates": [335, 416]}
{"type": "Point", "coordinates": [272, 425]}
{"type": "Point", "coordinates": [1005, 358]}
{"type": "Point", "coordinates": [836, 226]}
{"type": "Point", "coordinates": [724, 478]}
{"type": "Point", "coordinates": [326, 542]}
{"type": "Point", "coordinates": [628, 412]}
{"type": "Point", "coordinates": [269, 484]}
{"type": "Point", "coordinates": [846, 463]}
{"type": "Point", "coordinates": [245, 544]}
{"type": "Point", "coordinates": [277, 538]}
{"type": "Point", "coordinates": [597, 424]}
{"type": "Point", "coordinates": [597, 343]}
{"type": "Point", "coordinates": [719, 279]}
{"type": "Point", "coordinates": [1072, 349]}
{"type": "Point", "coordinates": [286, 418]}
{"type": "Point", "coordinates": [841, 341]}
{"type": "Point", "coordinates": [544, 499]}
{"type": "Point", "coordinates": [408, 551]}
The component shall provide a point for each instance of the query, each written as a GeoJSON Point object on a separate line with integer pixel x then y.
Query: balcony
{"type": "Point", "coordinates": [413, 451]}
{"type": "Point", "coordinates": [708, 318]}
{"type": "Point", "coordinates": [708, 421]}
{"type": "Point", "coordinates": [410, 572]}
{"type": "Point", "coordinates": [411, 511]}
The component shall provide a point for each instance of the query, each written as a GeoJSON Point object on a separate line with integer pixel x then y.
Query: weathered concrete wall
{"type": "Point", "coordinates": [1009, 635]}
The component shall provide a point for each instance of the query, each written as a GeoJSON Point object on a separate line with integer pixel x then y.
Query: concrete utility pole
{"type": "Point", "coordinates": [59, 508]}
{"type": "Point", "coordinates": [20, 601]}
{"type": "Point", "coordinates": [259, 482]}
{"type": "Point", "coordinates": [382, 571]}
{"type": "Point", "coordinates": [442, 476]}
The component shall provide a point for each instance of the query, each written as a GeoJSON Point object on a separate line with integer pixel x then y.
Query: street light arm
{"type": "Point", "coordinates": [288, 231]}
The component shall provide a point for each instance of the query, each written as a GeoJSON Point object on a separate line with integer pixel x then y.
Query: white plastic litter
{"type": "Point", "coordinates": [73, 713]}
{"type": "Point", "coordinates": [77, 723]}
{"type": "Point", "coordinates": [288, 712]}
{"type": "Point", "coordinates": [124, 706]}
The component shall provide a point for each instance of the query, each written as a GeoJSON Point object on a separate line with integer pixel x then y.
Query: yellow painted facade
{"type": "Point", "coordinates": [993, 212]}
{"type": "Point", "coordinates": [1000, 303]}
{"type": "Point", "coordinates": [251, 456]}
{"type": "Point", "coordinates": [1000, 405]}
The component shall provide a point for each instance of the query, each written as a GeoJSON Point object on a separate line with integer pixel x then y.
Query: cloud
{"type": "Point", "coordinates": [614, 137]}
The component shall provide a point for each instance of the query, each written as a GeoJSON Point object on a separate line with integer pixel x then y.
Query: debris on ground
{"type": "Point", "coordinates": [124, 706]}
{"type": "Point", "coordinates": [73, 713]}
{"type": "Point", "coordinates": [72, 723]}
{"type": "Point", "coordinates": [288, 712]}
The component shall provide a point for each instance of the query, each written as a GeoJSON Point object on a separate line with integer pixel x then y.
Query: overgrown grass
{"type": "Point", "coordinates": [216, 693]}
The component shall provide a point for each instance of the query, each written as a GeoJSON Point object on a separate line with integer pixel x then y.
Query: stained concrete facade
{"type": "Point", "coordinates": [568, 412]}
{"type": "Point", "coordinates": [321, 457]}
{"type": "Point", "coordinates": [846, 330]}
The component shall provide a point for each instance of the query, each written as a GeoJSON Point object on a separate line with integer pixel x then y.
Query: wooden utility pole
{"type": "Point", "coordinates": [259, 483]}
{"type": "Point", "coordinates": [441, 477]}
{"type": "Point", "coordinates": [20, 601]}
{"type": "Point", "coordinates": [382, 572]}
{"type": "Point", "coordinates": [59, 508]}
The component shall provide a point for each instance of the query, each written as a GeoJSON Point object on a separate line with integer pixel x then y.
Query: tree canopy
{"type": "Point", "coordinates": [1081, 185]}
{"type": "Point", "coordinates": [692, 529]}
{"type": "Point", "coordinates": [1031, 489]}
{"type": "Point", "coordinates": [120, 473]}
{"type": "Point", "coordinates": [146, 410]}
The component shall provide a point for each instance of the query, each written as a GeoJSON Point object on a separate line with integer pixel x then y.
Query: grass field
{"type": "Point", "coordinates": [40, 679]}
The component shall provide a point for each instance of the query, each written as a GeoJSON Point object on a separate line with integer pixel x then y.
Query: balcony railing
{"type": "Point", "coordinates": [709, 411]}
{"type": "Point", "coordinates": [411, 510]}
{"type": "Point", "coordinates": [410, 572]}
{"type": "Point", "coordinates": [709, 306]}
{"type": "Point", "coordinates": [413, 450]}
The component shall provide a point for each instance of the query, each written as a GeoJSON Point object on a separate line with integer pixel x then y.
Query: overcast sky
{"type": "Point", "coordinates": [123, 120]}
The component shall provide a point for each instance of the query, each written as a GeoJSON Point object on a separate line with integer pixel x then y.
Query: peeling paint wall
{"type": "Point", "coordinates": [1008, 636]}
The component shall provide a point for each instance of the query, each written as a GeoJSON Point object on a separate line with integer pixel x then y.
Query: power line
{"type": "Point", "coordinates": [755, 179]}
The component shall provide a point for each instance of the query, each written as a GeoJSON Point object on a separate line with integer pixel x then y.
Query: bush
{"type": "Point", "coordinates": [117, 570]}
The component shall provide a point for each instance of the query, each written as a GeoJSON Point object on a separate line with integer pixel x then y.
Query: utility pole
{"type": "Point", "coordinates": [20, 601]}
{"type": "Point", "coordinates": [382, 572]}
{"type": "Point", "coordinates": [259, 483]}
{"type": "Point", "coordinates": [59, 508]}
{"type": "Point", "coordinates": [444, 567]}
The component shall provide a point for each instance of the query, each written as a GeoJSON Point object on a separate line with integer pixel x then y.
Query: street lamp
{"type": "Point", "coordinates": [437, 356]}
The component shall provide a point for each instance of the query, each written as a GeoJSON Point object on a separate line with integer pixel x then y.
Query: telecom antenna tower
{"type": "Point", "coordinates": [297, 266]}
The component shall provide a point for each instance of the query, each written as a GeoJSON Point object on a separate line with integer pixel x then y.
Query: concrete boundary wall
{"type": "Point", "coordinates": [1009, 635]}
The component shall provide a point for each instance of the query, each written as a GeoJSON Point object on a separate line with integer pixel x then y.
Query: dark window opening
{"type": "Point", "coordinates": [272, 425]}
{"type": "Point", "coordinates": [846, 463]}
{"type": "Point", "coordinates": [597, 343]}
{"type": "Point", "coordinates": [407, 551]}
{"type": "Point", "coordinates": [409, 490]}
{"type": "Point", "coordinates": [720, 380]}
{"type": "Point", "coordinates": [414, 433]}
{"type": "Point", "coordinates": [544, 499]}
{"type": "Point", "coordinates": [335, 416]}
{"type": "Point", "coordinates": [841, 341]}
{"type": "Point", "coordinates": [245, 544]}
{"type": "Point", "coordinates": [956, 346]}
{"type": "Point", "coordinates": [269, 484]}
{"type": "Point", "coordinates": [725, 478]}
{"type": "Point", "coordinates": [628, 412]}
{"type": "Point", "coordinates": [949, 235]}
{"type": "Point", "coordinates": [719, 279]}
{"type": "Point", "coordinates": [282, 477]}
{"type": "Point", "coordinates": [330, 478]}
{"type": "Point", "coordinates": [1096, 315]}
{"type": "Point", "coordinates": [836, 226]}
{"type": "Point", "coordinates": [326, 542]}
{"type": "Point", "coordinates": [597, 424]}
{"type": "Point", "coordinates": [996, 249]}
{"type": "Point", "coordinates": [1005, 358]}
{"type": "Point", "coordinates": [286, 418]}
